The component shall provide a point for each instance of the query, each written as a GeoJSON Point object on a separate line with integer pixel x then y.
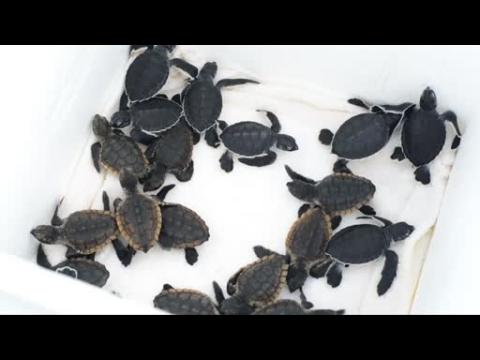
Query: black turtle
{"type": "Point", "coordinates": [116, 151]}
{"type": "Point", "coordinates": [424, 135]}
{"type": "Point", "coordinates": [172, 153]}
{"type": "Point", "coordinates": [361, 244]}
{"type": "Point", "coordinates": [149, 118]}
{"type": "Point", "coordinates": [291, 307]}
{"type": "Point", "coordinates": [337, 194]}
{"type": "Point", "coordinates": [365, 134]}
{"type": "Point", "coordinates": [253, 142]}
{"type": "Point", "coordinates": [149, 72]}
{"type": "Point", "coordinates": [185, 302]}
{"type": "Point", "coordinates": [254, 286]}
{"type": "Point", "coordinates": [202, 102]}
{"type": "Point", "coordinates": [82, 269]}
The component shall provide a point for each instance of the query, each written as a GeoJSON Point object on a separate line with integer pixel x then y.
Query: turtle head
{"type": "Point", "coordinates": [101, 127]}
{"type": "Point", "coordinates": [428, 101]}
{"type": "Point", "coordinates": [286, 143]}
{"type": "Point", "coordinates": [209, 70]}
{"type": "Point", "coordinates": [399, 231]}
{"type": "Point", "coordinates": [120, 119]}
{"type": "Point", "coordinates": [235, 306]}
{"type": "Point", "coordinates": [128, 181]}
{"type": "Point", "coordinates": [46, 234]}
{"type": "Point", "coordinates": [296, 277]}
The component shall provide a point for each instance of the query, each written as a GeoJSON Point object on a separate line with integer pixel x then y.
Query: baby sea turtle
{"type": "Point", "coordinates": [149, 118]}
{"type": "Point", "coordinates": [116, 151]}
{"type": "Point", "coordinates": [82, 269]}
{"type": "Point", "coordinates": [149, 72]}
{"type": "Point", "coordinates": [424, 135]}
{"type": "Point", "coordinates": [185, 302]}
{"type": "Point", "coordinates": [253, 142]}
{"type": "Point", "coordinates": [140, 47]}
{"type": "Point", "coordinates": [254, 286]}
{"type": "Point", "coordinates": [337, 194]}
{"type": "Point", "coordinates": [202, 102]}
{"type": "Point", "coordinates": [291, 307]}
{"type": "Point", "coordinates": [365, 134]}
{"type": "Point", "coordinates": [361, 244]}
{"type": "Point", "coordinates": [172, 153]}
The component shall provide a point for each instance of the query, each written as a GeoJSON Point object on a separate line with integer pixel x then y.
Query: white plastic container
{"type": "Point", "coordinates": [42, 86]}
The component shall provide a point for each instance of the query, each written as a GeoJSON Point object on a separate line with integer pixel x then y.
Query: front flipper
{"type": "Point", "coordinates": [295, 176]}
{"type": "Point", "coordinates": [162, 194]}
{"type": "Point", "coordinates": [262, 252]}
{"type": "Point", "coordinates": [451, 117]}
{"type": "Point", "coordinates": [360, 103]}
{"type": "Point", "coordinates": [211, 137]}
{"type": "Point", "coordinates": [398, 154]}
{"type": "Point", "coordinates": [42, 259]}
{"type": "Point", "coordinates": [326, 137]}
{"type": "Point", "coordinates": [219, 296]}
{"type": "Point", "coordinates": [95, 150]}
{"type": "Point", "coordinates": [260, 161]}
{"type": "Point", "coordinates": [234, 82]}
{"type": "Point", "coordinates": [276, 127]}
{"type": "Point", "coordinates": [191, 255]}
{"type": "Point", "coordinates": [340, 167]}
{"type": "Point", "coordinates": [320, 269]}
{"type": "Point", "coordinates": [389, 272]}
{"type": "Point", "coordinates": [422, 174]}
{"type": "Point", "coordinates": [56, 221]}
{"type": "Point", "coordinates": [226, 162]}
{"type": "Point", "coordinates": [185, 175]}
{"type": "Point", "coordinates": [185, 66]}
{"type": "Point", "coordinates": [334, 276]}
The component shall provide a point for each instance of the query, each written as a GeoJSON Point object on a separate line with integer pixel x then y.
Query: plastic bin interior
{"type": "Point", "coordinates": [53, 91]}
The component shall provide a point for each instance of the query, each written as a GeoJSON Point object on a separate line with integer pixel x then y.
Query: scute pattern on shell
{"type": "Point", "coordinates": [308, 238]}
{"type": "Point", "coordinates": [119, 152]}
{"type": "Point", "coordinates": [182, 228]}
{"type": "Point", "coordinates": [89, 231]}
{"type": "Point", "coordinates": [140, 221]}
{"type": "Point", "coordinates": [85, 270]}
{"type": "Point", "coordinates": [156, 115]}
{"type": "Point", "coordinates": [281, 307]}
{"type": "Point", "coordinates": [248, 138]}
{"type": "Point", "coordinates": [202, 105]}
{"type": "Point", "coordinates": [185, 302]}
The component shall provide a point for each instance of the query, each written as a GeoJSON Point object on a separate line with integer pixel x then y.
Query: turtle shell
{"type": "Point", "coordinates": [89, 231]}
{"type": "Point", "coordinates": [140, 220]}
{"type": "Point", "coordinates": [261, 282]}
{"type": "Point", "coordinates": [155, 115]}
{"type": "Point", "coordinates": [202, 105]}
{"type": "Point", "coordinates": [309, 235]}
{"type": "Point", "coordinates": [147, 74]}
{"type": "Point", "coordinates": [358, 244]}
{"type": "Point", "coordinates": [361, 136]}
{"type": "Point", "coordinates": [182, 228]}
{"type": "Point", "coordinates": [172, 149]}
{"type": "Point", "coordinates": [342, 193]}
{"type": "Point", "coordinates": [185, 302]}
{"type": "Point", "coordinates": [248, 138]}
{"type": "Point", "coordinates": [281, 307]}
{"type": "Point", "coordinates": [423, 136]}
{"type": "Point", "coordinates": [85, 270]}
{"type": "Point", "coordinates": [120, 152]}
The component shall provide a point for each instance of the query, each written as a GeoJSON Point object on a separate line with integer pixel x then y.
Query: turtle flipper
{"type": "Point", "coordinates": [42, 259]}
{"type": "Point", "coordinates": [389, 272]}
{"type": "Point", "coordinates": [56, 221]}
{"type": "Point", "coordinates": [340, 167]}
{"type": "Point", "coordinates": [162, 194]}
{"type": "Point", "coordinates": [334, 276]}
{"type": "Point", "coordinates": [326, 137]}
{"type": "Point", "coordinates": [234, 82]}
{"type": "Point", "coordinates": [360, 103]}
{"type": "Point", "coordinates": [211, 137]}
{"type": "Point", "coordinates": [155, 178]}
{"type": "Point", "coordinates": [124, 253]}
{"type": "Point", "coordinates": [262, 252]}
{"type": "Point", "coordinates": [226, 162]}
{"type": "Point", "coordinates": [185, 66]}
{"type": "Point", "coordinates": [219, 296]}
{"type": "Point", "coordinates": [95, 150]}
{"type": "Point", "coordinates": [185, 175]}
{"type": "Point", "coordinates": [422, 174]}
{"type": "Point", "coordinates": [320, 269]}
{"type": "Point", "coordinates": [398, 154]}
{"type": "Point", "coordinates": [276, 127]}
{"type": "Point", "coordinates": [191, 255]}
{"type": "Point", "coordinates": [367, 210]}
{"type": "Point", "coordinates": [336, 221]}
{"type": "Point", "coordinates": [305, 303]}
{"type": "Point", "coordinates": [303, 209]}
{"type": "Point", "coordinates": [451, 117]}
{"type": "Point", "coordinates": [222, 125]}
{"type": "Point", "coordinates": [260, 161]}
{"type": "Point", "coordinates": [295, 176]}
{"type": "Point", "coordinates": [303, 191]}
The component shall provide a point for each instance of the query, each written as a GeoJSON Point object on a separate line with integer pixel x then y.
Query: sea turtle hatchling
{"type": "Point", "coordinates": [293, 308]}
{"type": "Point", "coordinates": [185, 302]}
{"type": "Point", "coordinates": [202, 102]}
{"type": "Point", "coordinates": [254, 286]}
{"type": "Point", "coordinates": [116, 151]}
{"type": "Point", "coordinates": [337, 194]}
{"type": "Point", "coordinates": [424, 135]}
{"type": "Point", "coordinates": [149, 72]}
{"type": "Point", "coordinates": [366, 134]}
{"type": "Point", "coordinates": [82, 269]}
{"type": "Point", "coordinates": [361, 244]}
{"type": "Point", "coordinates": [253, 142]}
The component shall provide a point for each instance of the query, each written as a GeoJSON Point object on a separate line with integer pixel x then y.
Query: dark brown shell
{"type": "Point", "coordinates": [185, 302]}
{"type": "Point", "coordinates": [85, 270]}
{"type": "Point", "coordinates": [120, 152]}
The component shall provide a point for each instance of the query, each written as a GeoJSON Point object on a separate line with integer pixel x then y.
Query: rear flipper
{"type": "Point", "coordinates": [367, 210]}
{"type": "Point", "coordinates": [191, 255]}
{"type": "Point", "coordinates": [305, 303]}
{"type": "Point", "coordinates": [326, 137]}
{"type": "Point", "coordinates": [95, 150]}
{"type": "Point", "coordinates": [185, 175]}
{"type": "Point", "coordinates": [177, 99]}
{"type": "Point", "coordinates": [336, 221]}
{"type": "Point", "coordinates": [185, 66]}
{"type": "Point", "coordinates": [226, 162]}
{"type": "Point", "coordinates": [456, 142]}
{"type": "Point", "coordinates": [260, 161]}
{"type": "Point", "coordinates": [320, 269]}
{"type": "Point", "coordinates": [389, 272]}
{"type": "Point", "coordinates": [124, 253]}
{"type": "Point", "coordinates": [234, 82]}
{"type": "Point", "coordinates": [398, 154]}
{"type": "Point", "coordinates": [334, 276]}
{"type": "Point", "coordinates": [340, 167]}
{"type": "Point", "coordinates": [211, 137]}
{"type": "Point", "coordinates": [422, 174]}
{"type": "Point", "coordinates": [42, 259]}
{"type": "Point", "coordinates": [155, 178]}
